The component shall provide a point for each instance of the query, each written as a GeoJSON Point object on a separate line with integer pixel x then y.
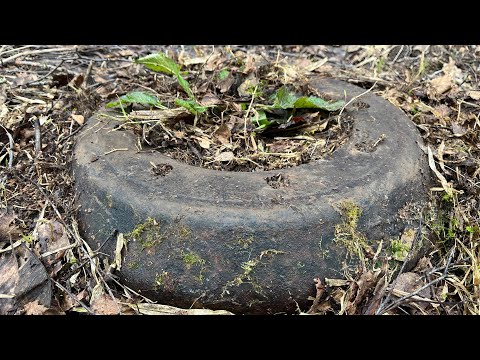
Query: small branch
{"type": "Point", "coordinates": [38, 136]}
{"type": "Point", "coordinates": [3, 62]}
{"type": "Point", "coordinates": [403, 298]}
{"type": "Point", "coordinates": [73, 297]}
{"type": "Point", "coordinates": [353, 99]}
{"type": "Point", "coordinates": [10, 154]}
{"type": "Point", "coordinates": [320, 290]}
{"type": "Point", "coordinates": [43, 77]}
{"type": "Point", "coordinates": [114, 150]}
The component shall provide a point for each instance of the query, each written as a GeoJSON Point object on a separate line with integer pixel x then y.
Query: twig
{"type": "Point", "coordinates": [114, 150]}
{"type": "Point", "coordinates": [320, 290]}
{"type": "Point", "coordinates": [10, 154]}
{"type": "Point", "coordinates": [34, 52]}
{"type": "Point", "coordinates": [73, 297]}
{"type": "Point", "coordinates": [403, 298]}
{"type": "Point", "coordinates": [43, 77]}
{"type": "Point", "coordinates": [16, 49]}
{"type": "Point", "coordinates": [38, 136]}
{"type": "Point", "coordinates": [353, 99]}
{"type": "Point", "coordinates": [246, 116]}
{"type": "Point", "coordinates": [87, 79]}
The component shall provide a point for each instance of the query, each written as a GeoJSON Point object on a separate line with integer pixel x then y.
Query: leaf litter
{"type": "Point", "coordinates": [436, 86]}
{"type": "Point", "coordinates": [260, 120]}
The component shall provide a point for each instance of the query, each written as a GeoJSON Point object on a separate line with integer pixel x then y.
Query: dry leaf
{"type": "Point", "coordinates": [6, 230]}
{"type": "Point", "coordinates": [411, 282]}
{"type": "Point", "coordinates": [104, 305]}
{"type": "Point", "coordinates": [431, 162]}
{"type": "Point", "coordinates": [458, 130]}
{"type": "Point", "coordinates": [453, 71]}
{"type": "Point", "coordinates": [196, 60]}
{"type": "Point", "coordinates": [203, 142]}
{"type": "Point", "coordinates": [474, 94]}
{"type": "Point", "coordinates": [441, 84]}
{"type": "Point", "coordinates": [210, 99]}
{"type": "Point", "coordinates": [222, 134]}
{"type": "Point", "coordinates": [245, 89]}
{"type": "Point", "coordinates": [225, 84]}
{"type": "Point", "coordinates": [159, 309]}
{"type": "Point", "coordinates": [78, 118]}
{"type": "Point", "coordinates": [121, 243]}
{"type": "Point", "coordinates": [34, 308]}
{"type": "Point", "coordinates": [359, 290]}
{"type": "Point", "coordinates": [179, 134]}
{"type": "Point", "coordinates": [225, 156]}
{"type": "Point", "coordinates": [52, 240]}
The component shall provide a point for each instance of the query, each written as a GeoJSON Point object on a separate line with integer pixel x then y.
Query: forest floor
{"type": "Point", "coordinates": [48, 92]}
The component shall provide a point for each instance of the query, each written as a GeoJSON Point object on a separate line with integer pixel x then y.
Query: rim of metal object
{"type": "Point", "coordinates": [229, 240]}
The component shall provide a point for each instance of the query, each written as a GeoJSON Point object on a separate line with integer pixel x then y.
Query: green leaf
{"type": "Point", "coordinates": [261, 120]}
{"type": "Point", "coordinates": [160, 63]}
{"type": "Point", "coordinates": [313, 102]}
{"type": "Point", "coordinates": [191, 105]}
{"type": "Point", "coordinates": [185, 86]}
{"type": "Point", "coordinates": [287, 100]}
{"type": "Point", "coordinates": [284, 99]}
{"type": "Point", "coordinates": [136, 97]}
{"type": "Point", "coordinates": [223, 74]}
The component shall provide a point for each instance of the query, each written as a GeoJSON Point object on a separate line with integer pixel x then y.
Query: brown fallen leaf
{"type": "Point", "coordinates": [204, 142]}
{"type": "Point", "coordinates": [441, 85]}
{"type": "Point", "coordinates": [6, 229]}
{"type": "Point", "coordinates": [225, 156]}
{"type": "Point", "coordinates": [411, 282]}
{"type": "Point", "coordinates": [245, 88]}
{"type": "Point", "coordinates": [408, 283]}
{"type": "Point", "coordinates": [78, 118]}
{"type": "Point", "coordinates": [225, 84]}
{"type": "Point", "coordinates": [223, 134]}
{"type": "Point", "coordinates": [52, 240]}
{"type": "Point", "coordinates": [210, 99]}
{"type": "Point", "coordinates": [320, 291]}
{"type": "Point", "coordinates": [23, 279]}
{"type": "Point", "coordinates": [458, 130]}
{"type": "Point", "coordinates": [104, 305]}
{"type": "Point", "coordinates": [360, 290]}
{"type": "Point", "coordinates": [34, 308]}
{"type": "Point", "coordinates": [474, 94]}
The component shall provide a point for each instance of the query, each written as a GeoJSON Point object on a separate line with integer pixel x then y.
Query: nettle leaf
{"type": "Point", "coordinates": [185, 86]}
{"type": "Point", "coordinates": [191, 105]}
{"type": "Point", "coordinates": [284, 99]}
{"type": "Point", "coordinates": [160, 63]}
{"type": "Point", "coordinates": [313, 102]}
{"type": "Point", "coordinates": [261, 120]}
{"type": "Point", "coordinates": [287, 100]}
{"type": "Point", "coordinates": [136, 97]}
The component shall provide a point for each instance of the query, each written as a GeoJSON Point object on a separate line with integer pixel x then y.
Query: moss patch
{"type": "Point", "coordinates": [133, 265]}
{"type": "Point", "coordinates": [346, 233]}
{"type": "Point", "coordinates": [192, 259]}
{"type": "Point", "coordinates": [147, 234]}
{"type": "Point", "coordinates": [248, 268]}
{"type": "Point", "coordinates": [243, 242]}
